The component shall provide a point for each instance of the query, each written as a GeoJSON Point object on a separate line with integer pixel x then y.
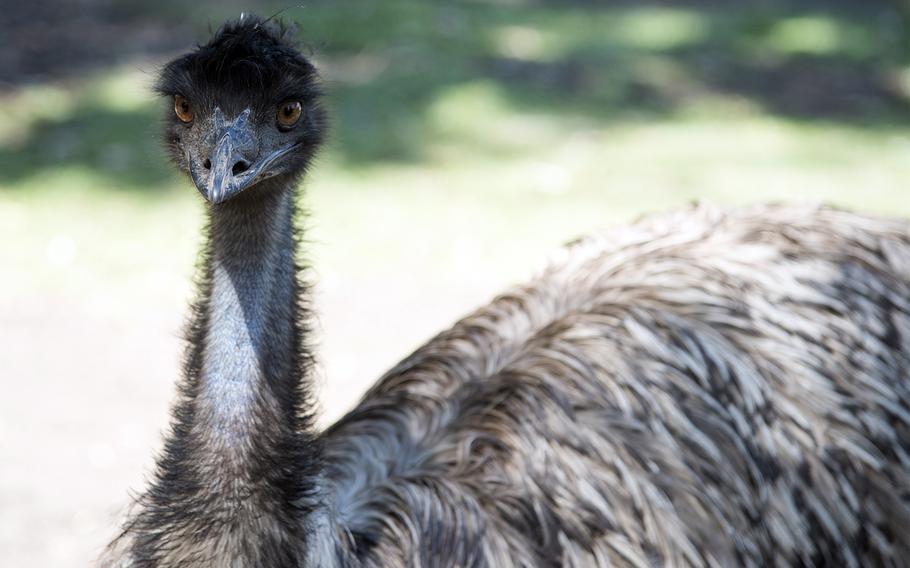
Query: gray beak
{"type": "Point", "coordinates": [229, 165]}
{"type": "Point", "coordinates": [232, 165]}
{"type": "Point", "coordinates": [227, 170]}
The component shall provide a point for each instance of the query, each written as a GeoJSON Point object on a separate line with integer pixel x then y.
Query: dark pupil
{"type": "Point", "coordinates": [288, 110]}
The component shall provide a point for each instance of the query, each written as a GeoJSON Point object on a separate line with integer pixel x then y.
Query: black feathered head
{"type": "Point", "coordinates": [245, 108]}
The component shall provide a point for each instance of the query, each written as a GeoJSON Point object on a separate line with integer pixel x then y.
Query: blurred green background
{"type": "Point", "coordinates": [470, 138]}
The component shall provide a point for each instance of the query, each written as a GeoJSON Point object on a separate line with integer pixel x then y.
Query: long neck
{"type": "Point", "coordinates": [245, 355]}
{"type": "Point", "coordinates": [236, 475]}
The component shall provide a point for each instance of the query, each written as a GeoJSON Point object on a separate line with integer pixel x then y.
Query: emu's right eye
{"type": "Point", "coordinates": [183, 109]}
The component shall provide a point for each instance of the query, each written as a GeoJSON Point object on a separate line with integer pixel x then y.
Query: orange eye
{"type": "Point", "coordinates": [289, 113]}
{"type": "Point", "coordinates": [183, 109]}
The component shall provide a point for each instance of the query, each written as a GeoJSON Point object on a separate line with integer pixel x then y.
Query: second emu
{"type": "Point", "coordinates": [704, 388]}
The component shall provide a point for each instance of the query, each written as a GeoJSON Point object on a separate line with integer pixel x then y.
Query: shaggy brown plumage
{"type": "Point", "coordinates": [705, 388]}
{"type": "Point", "coordinates": [702, 388]}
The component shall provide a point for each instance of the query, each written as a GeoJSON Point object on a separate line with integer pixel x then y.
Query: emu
{"type": "Point", "coordinates": [704, 388]}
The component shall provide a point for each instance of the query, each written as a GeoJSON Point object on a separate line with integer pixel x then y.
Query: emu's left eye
{"type": "Point", "coordinates": [289, 113]}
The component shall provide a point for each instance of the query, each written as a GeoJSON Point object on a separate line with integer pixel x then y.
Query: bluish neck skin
{"type": "Point", "coordinates": [249, 337]}
{"type": "Point", "coordinates": [240, 456]}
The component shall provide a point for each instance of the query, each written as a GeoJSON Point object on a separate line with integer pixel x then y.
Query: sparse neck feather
{"type": "Point", "coordinates": [248, 347]}
{"type": "Point", "coordinates": [236, 476]}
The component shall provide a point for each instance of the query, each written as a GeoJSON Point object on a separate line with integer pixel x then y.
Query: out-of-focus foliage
{"type": "Point", "coordinates": [398, 71]}
{"type": "Point", "coordinates": [540, 118]}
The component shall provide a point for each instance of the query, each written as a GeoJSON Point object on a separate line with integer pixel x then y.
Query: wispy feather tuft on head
{"type": "Point", "coordinates": [246, 108]}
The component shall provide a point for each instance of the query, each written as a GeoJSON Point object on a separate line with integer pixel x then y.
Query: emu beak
{"type": "Point", "coordinates": [230, 168]}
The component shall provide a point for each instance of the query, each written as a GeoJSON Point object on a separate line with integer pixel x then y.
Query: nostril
{"type": "Point", "coordinates": [207, 164]}
{"type": "Point", "coordinates": [240, 167]}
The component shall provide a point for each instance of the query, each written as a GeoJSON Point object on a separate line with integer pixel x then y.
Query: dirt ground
{"type": "Point", "coordinates": [86, 397]}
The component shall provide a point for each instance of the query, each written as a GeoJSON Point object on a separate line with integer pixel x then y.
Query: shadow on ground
{"type": "Point", "coordinates": [387, 64]}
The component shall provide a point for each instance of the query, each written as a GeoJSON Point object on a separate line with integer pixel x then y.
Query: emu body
{"type": "Point", "coordinates": [705, 388]}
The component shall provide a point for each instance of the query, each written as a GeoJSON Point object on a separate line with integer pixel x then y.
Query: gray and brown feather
{"type": "Point", "coordinates": [705, 388]}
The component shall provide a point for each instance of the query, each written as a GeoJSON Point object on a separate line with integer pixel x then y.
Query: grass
{"type": "Point", "coordinates": [470, 136]}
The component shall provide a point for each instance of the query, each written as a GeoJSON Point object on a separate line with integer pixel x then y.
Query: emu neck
{"type": "Point", "coordinates": [237, 471]}
{"type": "Point", "coordinates": [248, 350]}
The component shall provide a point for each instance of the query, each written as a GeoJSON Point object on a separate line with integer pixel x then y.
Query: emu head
{"type": "Point", "coordinates": [242, 108]}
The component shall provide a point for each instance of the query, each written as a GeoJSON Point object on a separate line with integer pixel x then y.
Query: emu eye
{"type": "Point", "coordinates": [183, 109]}
{"type": "Point", "coordinates": [289, 113]}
